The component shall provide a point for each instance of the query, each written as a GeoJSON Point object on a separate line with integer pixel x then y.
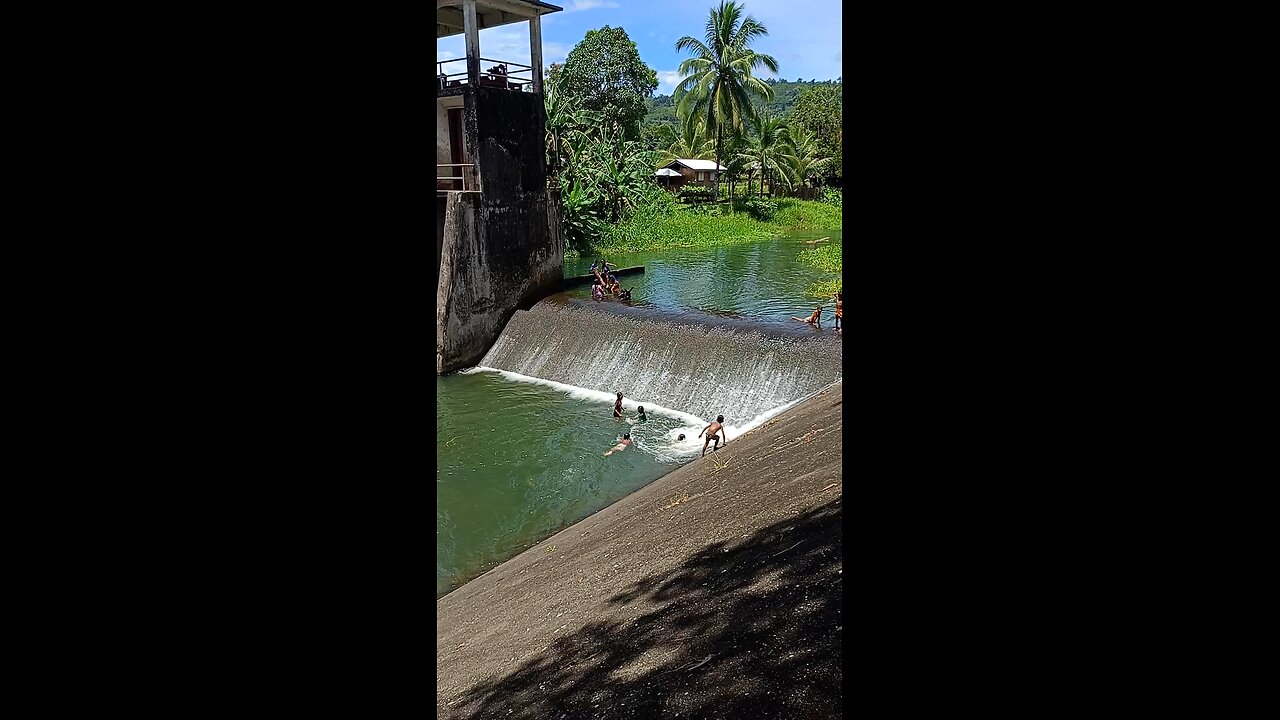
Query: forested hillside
{"type": "Point", "coordinates": [662, 109]}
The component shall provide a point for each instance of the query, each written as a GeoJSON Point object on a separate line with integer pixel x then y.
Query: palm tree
{"type": "Point", "coordinates": [809, 159]}
{"type": "Point", "coordinates": [690, 143]}
{"type": "Point", "coordinates": [769, 148]}
{"type": "Point", "coordinates": [718, 84]}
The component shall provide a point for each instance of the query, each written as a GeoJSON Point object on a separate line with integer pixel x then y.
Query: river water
{"type": "Point", "coordinates": [520, 457]}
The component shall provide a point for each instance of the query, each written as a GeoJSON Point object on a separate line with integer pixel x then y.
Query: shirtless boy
{"type": "Point", "coordinates": [626, 440]}
{"type": "Point", "coordinates": [617, 406]}
{"type": "Point", "coordinates": [815, 319]}
{"type": "Point", "coordinates": [713, 431]}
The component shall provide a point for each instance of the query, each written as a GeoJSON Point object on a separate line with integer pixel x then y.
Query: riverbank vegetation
{"type": "Point", "coordinates": [663, 225]}
{"type": "Point", "coordinates": [827, 258]}
{"type": "Point", "coordinates": [604, 163]}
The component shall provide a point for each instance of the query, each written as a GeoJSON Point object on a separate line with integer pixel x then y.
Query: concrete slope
{"type": "Point", "coordinates": [714, 592]}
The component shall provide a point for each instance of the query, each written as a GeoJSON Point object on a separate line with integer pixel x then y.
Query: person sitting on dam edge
{"type": "Point", "coordinates": [622, 445]}
{"type": "Point", "coordinates": [597, 291]}
{"type": "Point", "coordinates": [815, 319]}
{"type": "Point", "coordinates": [713, 431]}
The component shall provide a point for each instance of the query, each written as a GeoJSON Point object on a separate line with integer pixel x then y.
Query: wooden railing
{"type": "Point", "coordinates": [463, 180]}
{"type": "Point", "coordinates": [505, 74]}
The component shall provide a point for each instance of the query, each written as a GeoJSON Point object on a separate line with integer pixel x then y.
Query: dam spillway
{"type": "Point", "coordinates": [689, 361]}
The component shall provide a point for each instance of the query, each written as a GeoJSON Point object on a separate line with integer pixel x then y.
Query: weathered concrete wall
{"type": "Point", "coordinates": [502, 248]}
{"type": "Point", "coordinates": [442, 135]}
{"type": "Point", "coordinates": [441, 205]}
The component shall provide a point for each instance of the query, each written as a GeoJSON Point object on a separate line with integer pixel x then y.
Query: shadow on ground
{"type": "Point", "coordinates": [745, 629]}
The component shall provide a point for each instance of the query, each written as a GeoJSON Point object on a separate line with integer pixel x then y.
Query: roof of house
{"type": "Point", "coordinates": [698, 164]}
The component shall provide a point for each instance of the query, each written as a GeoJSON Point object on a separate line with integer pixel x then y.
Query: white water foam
{"type": "Point", "coordinates": [691, 445]}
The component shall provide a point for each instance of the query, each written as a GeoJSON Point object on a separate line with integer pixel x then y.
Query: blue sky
{"type": "Point", "coordinates": [804, 35]}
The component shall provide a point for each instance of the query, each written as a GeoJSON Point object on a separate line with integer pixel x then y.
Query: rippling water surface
{"type": "Point", "coordinates": [762, 280]}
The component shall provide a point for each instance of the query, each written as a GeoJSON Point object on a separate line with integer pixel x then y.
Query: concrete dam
{"type": "Point", "coordinates": [689, 361]}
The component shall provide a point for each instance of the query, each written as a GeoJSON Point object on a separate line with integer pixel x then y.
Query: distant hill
{"type": "Point", "coordinates": [785, 92]}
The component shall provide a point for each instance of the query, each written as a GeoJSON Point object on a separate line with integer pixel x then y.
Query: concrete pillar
{"type": "Point", "coordinates": [535, 51]}
{"type": "Point", "coordinates": [472, 29]}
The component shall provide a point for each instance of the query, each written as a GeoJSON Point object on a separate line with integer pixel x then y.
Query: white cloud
{"type": "Point", "coordinates": [574, 5]}
{"type": "Point", "coordinates": [667, 81]}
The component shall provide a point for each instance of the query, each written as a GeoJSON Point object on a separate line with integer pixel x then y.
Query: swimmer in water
{"type": "Point", "coordinates": [617, 406]}
{"type": "Point", "coordinates": [681, 438]}
{"type": "Point", "coordinates": [622, 445]}
{"type": "Point", "coordinates": [713, 431]}
{"type": "Point", "coordinates": [642, 417]}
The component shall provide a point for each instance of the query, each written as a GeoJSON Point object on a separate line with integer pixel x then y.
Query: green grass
{"type": "Point", "coordinates": [659, 230]}
{"type": "Point", "coordinates": [824, 289]}
{"type": "Point", "coordinates": [807, 215]}
{"type": "Point", "coordinates": [662, 228]}
{"type": "Point", "coordinates": [827, 258]}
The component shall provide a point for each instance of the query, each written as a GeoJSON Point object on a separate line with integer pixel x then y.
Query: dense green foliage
{"type": "Point", "coordinates": [757, 207]}
{"type": "Point", "coordinates": [825, 257]}
{"type": "Point", "coordinates": [661, 109]}
{"type": "Point", "coordinates": [824, 288]}
{"type": "Point", "coordinates": [769, 134]}
{"type": "Point", "coordinates": [820, 112]}
{"type": "Point", "coordinates": [659, 229]}
{"type": "Point", "coordinates": [807, 215]}
{"type": "Point", "coordinates": [695, 193]}
{"type": "Point", "coordinates": [659, 225]}
{"type": "Point", "coordinates": [604, 74]}
{"type": "Point", "coordinates": [828, 258]}
{"type": "Point", "coordinates": [769, 148]}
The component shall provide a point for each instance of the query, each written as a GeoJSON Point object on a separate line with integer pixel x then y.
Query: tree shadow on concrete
{"type": "Point", "coordinates": [744, 629]}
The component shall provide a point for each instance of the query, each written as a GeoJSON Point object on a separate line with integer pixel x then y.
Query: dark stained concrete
{"type": "Point", "coordinates": [714, 592]}
{"type": "Point", "coordinates": [502, 248]}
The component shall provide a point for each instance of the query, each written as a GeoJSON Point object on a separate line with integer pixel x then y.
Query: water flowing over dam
{"type": "Point", "coordinates": [689, 361]}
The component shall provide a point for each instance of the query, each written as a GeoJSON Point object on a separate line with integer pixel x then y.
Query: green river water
{"type": "Point", "coordinates": [520, 459]}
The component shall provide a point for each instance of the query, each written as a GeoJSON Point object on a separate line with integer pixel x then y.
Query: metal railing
{"type": "Point", "coordinates": [463, 181]}
{"type": "Point", "coordinates": [505, 74]}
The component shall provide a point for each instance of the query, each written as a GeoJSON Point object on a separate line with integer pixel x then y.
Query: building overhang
{"type": "Point", "coordinates": [489, 13]}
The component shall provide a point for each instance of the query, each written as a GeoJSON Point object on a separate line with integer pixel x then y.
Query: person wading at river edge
{"type": "Point", "coordinates": [839, 298]}
{"type": "Point", "coordinates": [617, 406]}
{"type": "Point", "coordinates": [713, 431]}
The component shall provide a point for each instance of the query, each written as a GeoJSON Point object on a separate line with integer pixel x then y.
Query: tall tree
{"type": "Point", "coordinates": [718, 83]}
{"type": "Point", "coordinates": [604, 74]}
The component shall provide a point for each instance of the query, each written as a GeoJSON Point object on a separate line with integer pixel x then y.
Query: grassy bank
{"type": "Point", "coordinates": [663, 228]}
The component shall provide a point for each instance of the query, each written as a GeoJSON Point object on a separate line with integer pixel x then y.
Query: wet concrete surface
{"type": "Point", "coordinates": [714, 592]}
{"type": "Point", "coordinates": [689, 361]}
